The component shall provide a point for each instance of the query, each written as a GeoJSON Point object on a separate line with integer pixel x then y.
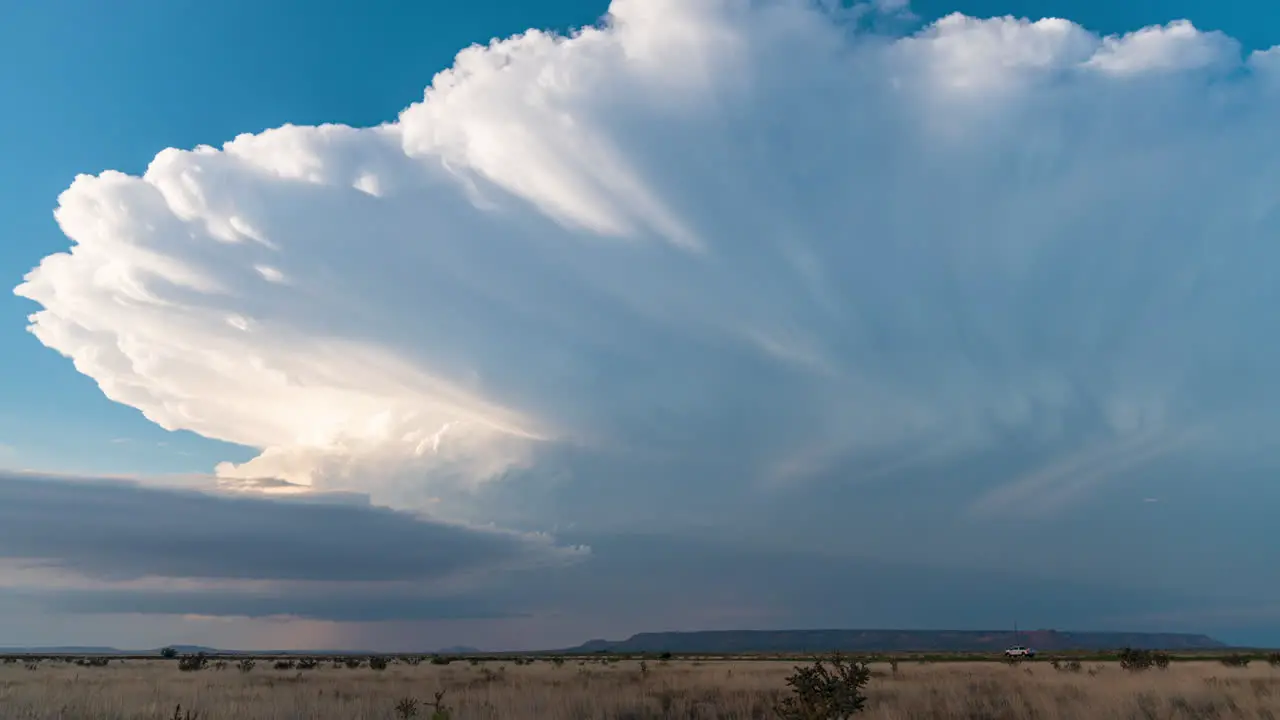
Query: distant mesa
{"type": "Point", "coordinates": [805, 641]}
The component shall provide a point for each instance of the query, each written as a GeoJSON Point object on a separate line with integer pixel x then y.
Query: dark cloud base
{"type": "Point", "coordinates": [118, 530]}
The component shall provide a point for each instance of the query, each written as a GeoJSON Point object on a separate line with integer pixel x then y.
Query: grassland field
{"type": "Point", "coordinates": [973, 686]}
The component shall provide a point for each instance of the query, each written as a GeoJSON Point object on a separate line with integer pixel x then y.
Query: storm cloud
{"type": "Point", "coordinates": [755, 268]}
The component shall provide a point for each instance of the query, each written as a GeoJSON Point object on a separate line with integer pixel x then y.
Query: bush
{"type": "Point", "coordinates": [169, 653]}
{"type": "Point", "coordinates": [442, 660]}
{"type": "Point", "coordinates": [1161, 660]}
{"type": "Point", "coordinates": [827, 690]}
{"type": "Point", "coordinates": [283, 665]}
{"type": "Point", "coordinates": [407, 708]}
{"type": "Point", "coordinates": [308, 664]}
{"type": "Point", "coordinates": [246, 665]}
{"type": "Point", "coordinates": [1236, 660]}
{"type": "Point", "coordinates": [378, 663]}
{"type": "Point", "coordinates": [192, 663]}
{"type": "Point", "coordinates": [1136, 660]}
{"type": "Point", "coordinates": [1274, 659]}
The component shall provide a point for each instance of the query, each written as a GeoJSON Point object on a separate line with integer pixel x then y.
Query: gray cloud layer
{"type": "Point", "coordinates": [108, 547]}
{"type": "Point", "coordinates": [119, 531]}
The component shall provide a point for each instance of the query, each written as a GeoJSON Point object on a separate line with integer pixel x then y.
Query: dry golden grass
{"type": "Point", "coordinates": [739, 689]}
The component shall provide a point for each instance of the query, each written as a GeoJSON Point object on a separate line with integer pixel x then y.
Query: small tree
{"type": "Point", "coordinates": [169, 653]}
{"type": "Point", "coordinates": [827, 690]}
{"type": "Point", "coordinates": [1274, 659]}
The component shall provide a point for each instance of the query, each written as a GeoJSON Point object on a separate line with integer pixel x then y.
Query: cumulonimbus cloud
{"type": "Point", "coordinates": [754, 236]}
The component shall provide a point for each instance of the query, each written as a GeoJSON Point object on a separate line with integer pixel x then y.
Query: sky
{"type": "Point", "coordinates": [402, 325]}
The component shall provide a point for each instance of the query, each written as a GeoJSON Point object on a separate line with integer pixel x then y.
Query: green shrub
{"type": "Point", "coordinates": [827, 690]}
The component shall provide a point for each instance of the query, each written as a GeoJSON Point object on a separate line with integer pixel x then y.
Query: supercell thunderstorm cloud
{"type": "Point", "coordinates": [711, 251]}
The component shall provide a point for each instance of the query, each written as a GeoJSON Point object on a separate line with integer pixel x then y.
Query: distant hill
{"type": "Point", "coordinates": [748, 641]}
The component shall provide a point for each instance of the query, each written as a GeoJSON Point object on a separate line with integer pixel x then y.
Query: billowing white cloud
{"type": "Point", "coordinates": [742, 244]}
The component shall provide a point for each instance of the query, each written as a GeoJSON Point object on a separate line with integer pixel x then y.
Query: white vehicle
{"type": "Point", "coordinates": [1017, 651]}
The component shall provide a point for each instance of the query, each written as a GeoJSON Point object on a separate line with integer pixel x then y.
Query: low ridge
{"type": "Point", "coordinates": [748, 641]}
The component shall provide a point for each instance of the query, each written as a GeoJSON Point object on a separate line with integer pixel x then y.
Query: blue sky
{"type": "Point", "coordinates": [656, 435]}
